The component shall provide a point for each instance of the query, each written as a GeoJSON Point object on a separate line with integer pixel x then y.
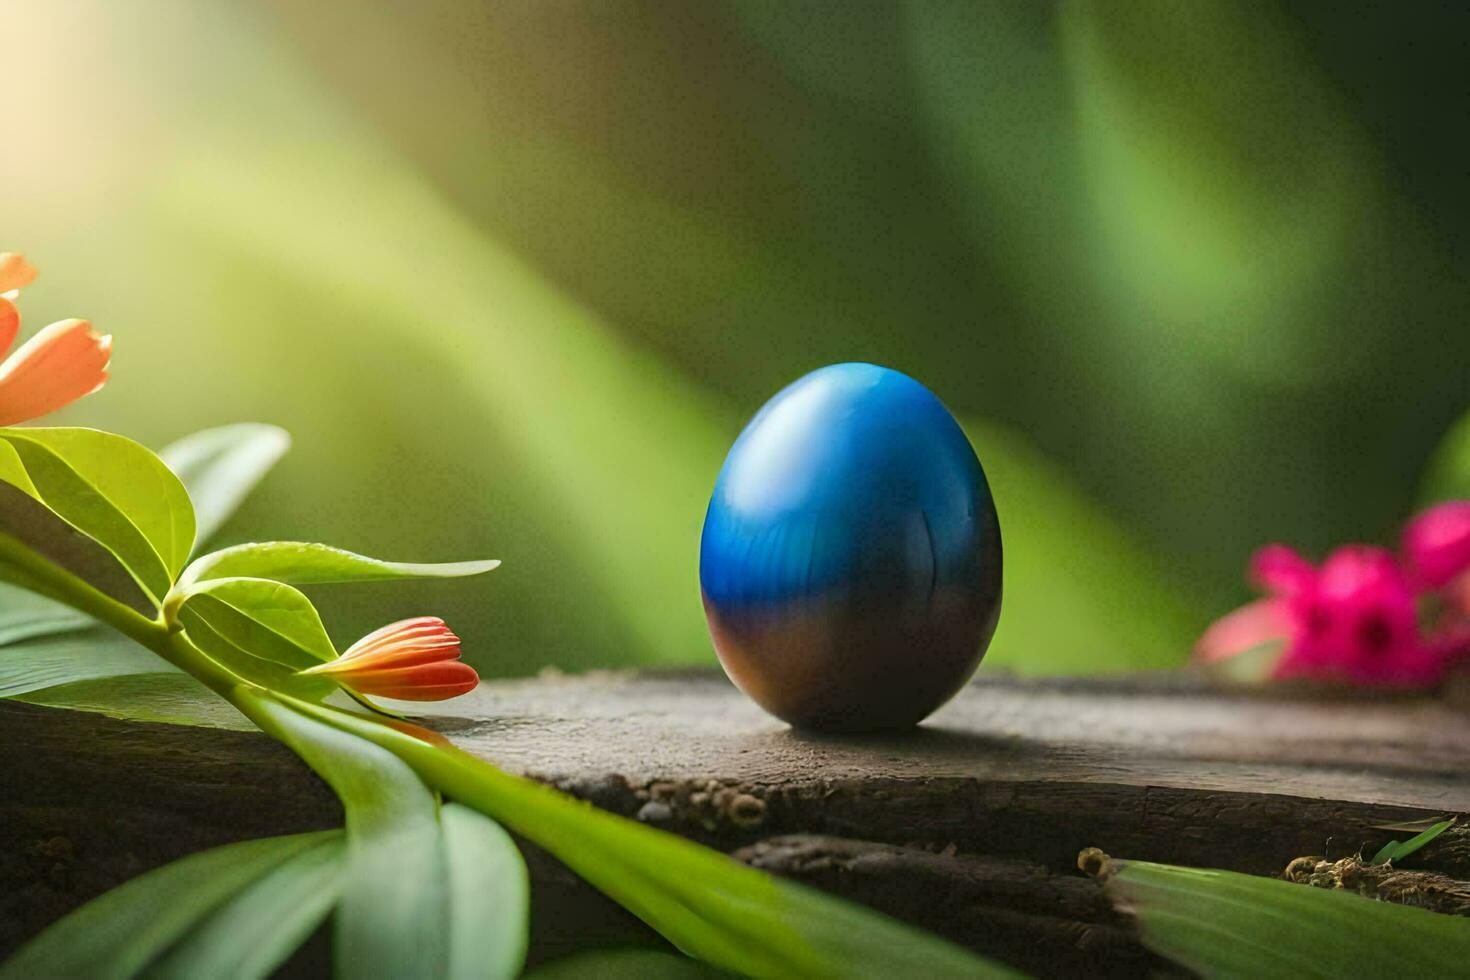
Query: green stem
{"type": "Point", "coordinates": [169, 642]}
{"type": "Point", "coordinates": [65, 587]}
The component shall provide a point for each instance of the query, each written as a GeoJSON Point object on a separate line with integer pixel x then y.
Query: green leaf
{"type": "Point", "coordinates": [729, 915]}
{"type": "Point", "coordinates": [709, 906]}
{"type": "Point", "coordinates": [51, 661]}
{"type": "Point", "coordinates": [76, 500]}
{"type": "Point", "coordinates": [271, 620]}
{"type": "Point", "coordinates": [1448, 475]}
{"type": "Point", "coordinates": [1385, 853]}
{"type": "Point", "coordinates": [33, 533]}
{"type": "Point", "coordinates": [259, 927]}
{"type": "Point", "coordinates": [119, 934]}
{"type": "Point", "coordinates": [13, 471]}
{"type": "Point", "coordinates": [1398, 850]}
{"type": "Point", "coordinates": [1410, 826]}
{"type": "Point", "coordinates": [220, 467]}
{"type": "Point", "coordinates": [1223, 924]}
{"type": "Point", "coordinates": [116, 491]}
{"type": "Point", "coordinates": [224, 635]}
{"type": "Point", "coordinates": [489, 896]}
{"type": "Point", "coordinates": [625, 964]}
{"type": "Point", "coordinates": [420, 898]}
{"type": "Point", "coordinates": [170, 698]}
{"type": "Point", "coordinates": [25, 615]}
{"type": "Point", "coordinates": [303, 563]}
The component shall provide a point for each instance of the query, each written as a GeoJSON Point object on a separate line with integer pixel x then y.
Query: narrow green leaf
{"type": "Point", "coordinates": [41, 534]}
{"type": "Point", "coordinates": [1410, 826]}
{"type": "Point", "coordinates": [489, 896]}
{"type": "Point", "coordinates": [271, 620]}
{"type": "Point", "coordinates": [1385, 853]}
{"type": "Point", "coordinates": [625, 964]}
{"type": "Point", "coordinates": [420, 898]}
{"type": "Point", "coordinates": [51, 661]}
{"type": "Point", "coordinates": [1223, 924]}
{"type": "Point", "coordinates": [25, 615]}
{"type": "Point", "coordinates": [716, 909]}
{"type": "Point", "coordinates": [128, 477]}
{"type": "Point", "coordinates": [392, 921]}
{"type": "Point", "coordinates": [168, 697]}
{"type": "Point", "coordinates": [220, 467]}
{"type": "Point", "coordinates": [119, 934]}
{"type": "Point", "coordinates": [259, 927]}
{"type": "Point", "coordinates": [710, 906]}
{"type": "Point", "coordinates": [303, 563]}
{"type": "Point", "coordinates": [1398, 850]}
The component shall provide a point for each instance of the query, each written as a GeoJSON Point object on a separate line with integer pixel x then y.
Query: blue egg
{"type": "Point", "coordinates": [851, 560]}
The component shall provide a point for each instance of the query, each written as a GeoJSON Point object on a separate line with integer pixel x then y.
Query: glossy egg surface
{"type": "Point", "coordinates": [851, 560]}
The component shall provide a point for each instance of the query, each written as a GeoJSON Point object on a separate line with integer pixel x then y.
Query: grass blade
{"type": "Point", "coordinates": [391, 921]}
{"type": "Point", "coordinates": [400, 914]}
{"type": "Point", "coordinates": [1398, 850]}
{"type": "Point", "coordinates": [119, 934]}
{"type": "Point", "coordinates": [710, 906]}
{"type": "Point", "coordinates": [258, 928]}
{"type": "Point", "coordinates": [1224, 924]}
{"type": "Point", "coordinates": [489, 896]}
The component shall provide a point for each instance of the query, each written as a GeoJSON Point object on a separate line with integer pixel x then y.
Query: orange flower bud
{"type": "Point", "coordinates": [412, 660]}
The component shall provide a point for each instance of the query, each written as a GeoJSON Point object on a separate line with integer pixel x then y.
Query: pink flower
{"type": "Point", "coordinates": [61, 363]}
{"type": "Point", "coordinates": [411, 660]}
{"type": "Point", "coordinates": [1357, 617]}
{"type": "Point", "coordinates": [1437, 544]}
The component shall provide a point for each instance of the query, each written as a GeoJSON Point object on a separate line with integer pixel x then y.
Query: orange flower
{"type": "Point", "coordinates": [61, 363]}
{"type": "Point", "coordinates": [411, 660]}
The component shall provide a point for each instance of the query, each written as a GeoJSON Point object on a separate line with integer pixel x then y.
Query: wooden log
{"type": "Point", "coordinates": [970, 825]}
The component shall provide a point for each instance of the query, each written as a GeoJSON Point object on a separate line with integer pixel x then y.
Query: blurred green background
{"type": "Point", "coordinates": [514, 274]}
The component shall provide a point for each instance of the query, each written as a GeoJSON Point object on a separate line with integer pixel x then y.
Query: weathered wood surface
{"type": "Point", "coordinates": [970, 825]}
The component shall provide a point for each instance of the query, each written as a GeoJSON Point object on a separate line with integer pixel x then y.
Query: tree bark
{"type": "Point", "coordinates": [969, 825]}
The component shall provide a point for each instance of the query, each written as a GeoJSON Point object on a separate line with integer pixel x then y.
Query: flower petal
{"type": "Point", "coordinates": [1262, 621]}
{"type": "Point", "coordinates": [15, 271]}
{"type": "Point", "coordinates": [1278, 569]}
{"type": "Point", "coordinates": [9, 324]}
{"type": "Point", "coordinates": [425, 639]}
{"type": "Point", "coordinates": [60, 364]}
{"type": "Point", "coordinates": [406, 632]}
{"type": "Point", "coordinates": [426, 682]}
{"type": "Point", "coordinates": [1358, 624]}
{"type": "Point", "coordinates": [1436, 545]}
